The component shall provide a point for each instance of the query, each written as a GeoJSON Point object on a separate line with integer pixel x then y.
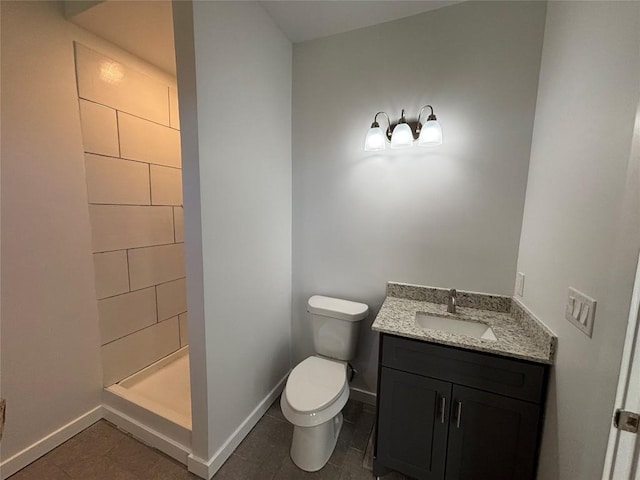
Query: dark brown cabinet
{"type": "Point", "coordinates": [413, 407]}
{"type": "Point", "coordinates": [446, 413]}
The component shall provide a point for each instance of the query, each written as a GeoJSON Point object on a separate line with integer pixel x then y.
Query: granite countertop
{"type": "Point", "coordinates": [519, 333]}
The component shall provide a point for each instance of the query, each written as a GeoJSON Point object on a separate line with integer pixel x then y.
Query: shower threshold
{"type": "Point", "coordinates": [154, 404]}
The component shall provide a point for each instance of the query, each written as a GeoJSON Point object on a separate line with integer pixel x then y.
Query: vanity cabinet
{"type": "Point", "coordinates": [447, 413]}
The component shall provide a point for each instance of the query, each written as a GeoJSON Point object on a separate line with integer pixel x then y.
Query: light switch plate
{"type": "Point", "coordinates": [580, 310]}
{"type": "Point", "coordinates": [520, 284]}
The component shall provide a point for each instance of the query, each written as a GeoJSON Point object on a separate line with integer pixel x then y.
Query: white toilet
{"type": "Point", "coordinates": [318, 388]}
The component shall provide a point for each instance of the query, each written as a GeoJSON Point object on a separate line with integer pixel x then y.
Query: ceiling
{"type": "Point", "coordinates": [145, 28]}
{"type": "Point", "coordinates": [303, 20]}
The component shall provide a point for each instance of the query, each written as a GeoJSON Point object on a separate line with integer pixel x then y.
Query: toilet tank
{"type": "Point", "coordinates": [335, 324]}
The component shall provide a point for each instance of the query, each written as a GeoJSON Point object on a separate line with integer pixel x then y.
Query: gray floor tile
{"type": "Point", "coordinates": [363, 431]}
{"type": "Point", "coordinates": [265, 447]}
{"type": "Point", "coordinates": [258, 447]}
{"type": "Point", "coordinates": [367, 462]}
{"type": "Point", "coordinates": [99, 468]}
{"type": "Point", "coordinates": [352, 411]}
{"type": "Point", "coordinates": [352, 469]}
{"type": "Point", "coordinates": [277, 431]}
{"type": "Point", "coordinates": [102, 452]}
{"type": "Point", "coordinates": [369, 408]}
{"type": "Point", "coordinates": [134, 456]}
{"type": "Point", "coordinates": [168, 469]}
{"type": "Point", "coordinates": [40, 470]}
{"type": "Point", "coordinates": [343, 444]}
{"type": "Point", "coordinates": [289, 471]}
{"type": "Point", "coordinates": [275, 411]}
{"type": "Point", "coordinates": [94, 442]}
{"type": "Point", "coordinates": [237, 467]}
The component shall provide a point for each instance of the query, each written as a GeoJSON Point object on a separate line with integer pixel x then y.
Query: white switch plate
{"type": "Point", "coordinates": [580, 310]}
{"type": "Point", "coordinates": [520, 284]}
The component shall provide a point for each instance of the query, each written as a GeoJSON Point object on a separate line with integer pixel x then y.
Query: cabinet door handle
{"type": "Point", "coordinates": [458, 414]}
{"type": "Point", "coordinates": [443, 408]}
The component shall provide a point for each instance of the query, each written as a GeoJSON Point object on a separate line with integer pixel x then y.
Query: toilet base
{"type": "Point", "coordinates": [312, 447]}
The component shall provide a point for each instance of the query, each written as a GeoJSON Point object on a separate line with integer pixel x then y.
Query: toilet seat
{"type": "Point", "coordinates": [315, 383]}
{"type": "Point", "coordinates": [315, 392]}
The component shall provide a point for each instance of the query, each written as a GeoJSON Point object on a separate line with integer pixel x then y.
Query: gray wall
{"type": "Point", "coordinates": [235, 98]}
{"type": "Point", "coordinates": [581, 218]}
{"type": "Point", "coordinates": [448, 216]}
{"type": "Point", "coordinates": [50, 340]}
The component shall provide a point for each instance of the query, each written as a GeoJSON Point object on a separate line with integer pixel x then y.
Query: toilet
{"type": "Point", "coordinates": [318, 388]}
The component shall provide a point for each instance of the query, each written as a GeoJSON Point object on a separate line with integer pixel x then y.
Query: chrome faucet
{"type": "Point", "coordinates": [451, 305]}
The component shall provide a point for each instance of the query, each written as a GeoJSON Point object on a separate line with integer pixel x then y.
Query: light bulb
{"type": "Point", "coordinates": [375, 140]}
{"type": "Point", "coordinates": [431, 134]}
{"type": "Point", "coordinates": [402, 136]}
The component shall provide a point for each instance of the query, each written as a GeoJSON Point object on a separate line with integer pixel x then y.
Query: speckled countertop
{"type": "Point", "coordinates": [519, 333]}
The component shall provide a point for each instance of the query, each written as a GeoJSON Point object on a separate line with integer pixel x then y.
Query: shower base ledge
{"type": "Point", "coordinates": [160, 421]}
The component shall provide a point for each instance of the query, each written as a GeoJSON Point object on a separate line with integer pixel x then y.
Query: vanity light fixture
{"type": "Point", "coordinates": [402, 135]}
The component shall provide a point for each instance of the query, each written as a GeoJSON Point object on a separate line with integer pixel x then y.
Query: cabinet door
{"type": "Point", "coordinates": [491, 437]}
{"type": "Point", "coordinates": [413, 422]}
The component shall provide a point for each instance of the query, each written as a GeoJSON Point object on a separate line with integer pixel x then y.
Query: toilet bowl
{"type": "Point", "coordinates": [317, 388]}
{"type": "Point", "coordinates": [316, 391]}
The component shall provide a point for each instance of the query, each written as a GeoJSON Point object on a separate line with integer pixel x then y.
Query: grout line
{"type": "Point", "coordinates": [150, 121]}
{"type": "Point", "coordinates": [128, 270]}
{"type": "Point", "coordinates": [131, 160]}
{"type": "Point", "coordinates": [138, 248]}
{"type": "Point", "coordinates": [150, 187]}
{"type": "Point", "coordinates": [136, 331]}
{"type": "Point", "coordinates": [140, 289]}
{"type": "Point", "coordinates": [118, 133]}
{"type": "Point", "coordinates": [172, 316]}
{"type": "Point", "coordinates": [129, 113]}
{"type": "Point", "coordinates": [132, 205]}
{"type": "Point", "coordinates": [125, 293]}
{"type": "Point", "coordinates": [155, 289]}
{"type": "Point", "coordinates": [174, 224]}
{"type": "Point", "coordinates": [169, 104]}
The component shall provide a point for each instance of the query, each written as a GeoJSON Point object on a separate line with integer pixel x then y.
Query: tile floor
{"type": "Point", "coordinates": [102, 452]}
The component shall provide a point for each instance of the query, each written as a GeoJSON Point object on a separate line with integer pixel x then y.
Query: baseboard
{"type": "Point", "coordinates": [147, 435]}
{"type": "Point", "coordinates": [41, 447]}
{"type": "Point", "coordinates": [363, 396]}
{"type": "Point", "coordinates": [207, 468]}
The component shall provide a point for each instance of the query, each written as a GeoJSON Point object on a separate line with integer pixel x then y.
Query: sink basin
{"type": "Point", "coordinates": [456, 326]}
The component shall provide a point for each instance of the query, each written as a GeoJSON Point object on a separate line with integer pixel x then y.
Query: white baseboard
{"type": "Point", "coordinates": [207, 468]}
{"type": "Point", "coordinates": [363, 396]}
{"type": "Point", "coordinates": [30, 454]}
{"type": "Point", "coordinates": [147, 435]}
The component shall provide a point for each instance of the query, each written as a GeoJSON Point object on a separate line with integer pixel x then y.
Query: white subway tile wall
{"type": "Point", "coordinates": [116, 227]}
{"type": "Point", "coordinates": [172, 299]}
{"type": "Point", "coordinates": [131, 140]}
{"type": "Point", "coordinates": [132, 353]}
{"type": "Point", "coordinates": [149, 142]}
{"type": "Point", "coordinates": [108, 82]}
{"type": "Point", "coordinates": [166, 185]}
{"type": "Point", "coordinates": [114, 181]}
{"type": "Point", "coordinates": [178, 223]}
{"type": "Point", "coordinates": [125, 314]}
{"type": "Point", "coordinates": [184, 333]}
{"type": "Point", "coordinates": [155, 265]}
{"type": "Point", "coordinates": [112, 273]}
{"type": "Point", "coordinates": [99, 129]}
{"type": "Point", "coordinates": [174, 117]}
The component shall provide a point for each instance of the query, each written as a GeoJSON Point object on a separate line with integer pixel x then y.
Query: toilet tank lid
{"type": "Point", "coordinates": [337, 308]}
